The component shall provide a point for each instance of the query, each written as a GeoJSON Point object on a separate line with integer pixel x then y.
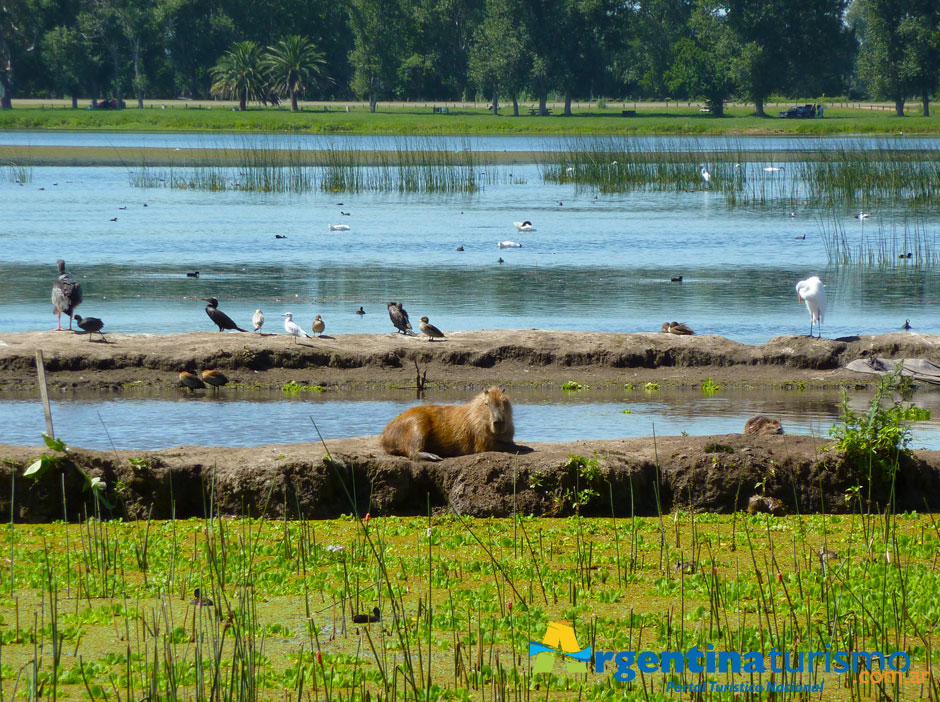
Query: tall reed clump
{"type": "Point", "coordinates": [16, 173]}
{"type": "Point", "coordinates": [902, 241]}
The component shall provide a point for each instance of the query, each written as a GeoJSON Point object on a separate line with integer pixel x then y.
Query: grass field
{"type": "Point", "coordinates": [323, 118]}
{"type": "Point", "coordinates": [106, 611]}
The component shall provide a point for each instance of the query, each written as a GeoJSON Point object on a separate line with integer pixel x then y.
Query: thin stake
{"type": "Point", "coordinates": [44, 392]}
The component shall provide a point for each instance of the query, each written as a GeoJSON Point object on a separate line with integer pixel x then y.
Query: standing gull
{"type": "Point", "coordinates": [258, 320]}
{"type": "Point", "coordinates": [813, 293]}
{"type": "Point", "coordinates": [292, 328]}
{"type": "Point", "coordinates": [399, 318]}
{"type": "Point", "coordinates": [66, 295]}
{"type": "Point", "coordinates": [218, 317]}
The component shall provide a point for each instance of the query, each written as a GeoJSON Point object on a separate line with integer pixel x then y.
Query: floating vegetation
{"type": "Point", "coordinates": [904, 240]}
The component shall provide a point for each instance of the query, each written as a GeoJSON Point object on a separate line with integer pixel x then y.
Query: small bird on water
{"type": "Point", "coordinates": [360, 311]}
{"type": "Point", "coordinates": [318, 326]}
{"type": "Point", "coordinates": [90, 325]}
{"type": "Point", "coordinates": [66, 295]}
{"type": "Point", "coordinates": [191, 381]}
{"type": "Point", "coordinates": [218, 317]}
{"type": "Point", "coordinates": [376, 616]}
{"type": "Point", "coordinates": [258, 320]}
{"type": "Point", "coordinates": [194, 274]}
{"type": "Point", "coordinates": [429, 330]}
{"type": "Point", "coordinates": [292, 328]}
{"type": "Point", "coordinates": [214, 378]}
{"type": "Point", "coordinates": [399, 318]}
{"type": "Point", "coordinates": [907, 324]}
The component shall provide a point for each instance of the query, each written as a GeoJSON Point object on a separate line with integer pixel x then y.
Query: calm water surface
{"type": "Point", "coordinates": [231, 419]}
{"type": "Point", "coordinates": [596, 262]}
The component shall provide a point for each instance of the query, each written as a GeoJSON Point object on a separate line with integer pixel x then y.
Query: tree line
{"type": "Point", "coordinates": [499, 51]}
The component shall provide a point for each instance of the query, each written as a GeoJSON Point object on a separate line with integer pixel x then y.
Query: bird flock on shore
{"type": "Point", "coordinates": [67, 296]}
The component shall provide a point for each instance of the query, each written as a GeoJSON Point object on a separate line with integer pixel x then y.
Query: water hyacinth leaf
{"type": "Point", "coordinates": [55, 444]}
{"type": "Point", "coordinates": [37, 468]}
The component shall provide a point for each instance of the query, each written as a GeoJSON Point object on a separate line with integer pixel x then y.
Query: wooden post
{"type": "Point", "coordinates": [44, 393]}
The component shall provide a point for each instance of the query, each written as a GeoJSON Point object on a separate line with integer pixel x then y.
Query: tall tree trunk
{"type": "Point", "coordinates": [515, 105]}
{"type": "Point", "coordinates": [716, 107]}
{"type": "Point", "coordinates": [74, 101]}
{"type": "Point", "coordinates": [6, 76]}
{"type": "Point", "coordinates": [543, 110]}
{"type": "Point", "coordinates": [567, 103]}
{"type": "Point", "coordinates": [293, 101]}
{"type": "Point", "coordinates": [138, 78]}
{"type": "Point", "coordinates": [495, 104]}
{"type": "Point", "coordinates": [926, 101]}
{"type": "Point", "coordinates": [899, 107]}
{"type": "Point", "coordinates": [373, 101]}
{"type": "Point", "coordinates": [116, 60]}
{"type": "Point", "coordinates": [759, 107]}
{"type": "Point", "coordinates": [243, 99]}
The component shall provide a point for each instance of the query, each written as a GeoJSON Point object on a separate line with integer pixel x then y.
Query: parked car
{"type": "Point", "coordinates": [807, 111]}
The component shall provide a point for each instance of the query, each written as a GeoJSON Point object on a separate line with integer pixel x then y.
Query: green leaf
{"type": "Point", "coordinates": [54, 444]}
{"type": "Point", "coordinates": [37, 468]}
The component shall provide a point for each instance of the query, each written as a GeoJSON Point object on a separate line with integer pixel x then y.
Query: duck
{"type": "Point", "coordinates": [524, 226]}
{"type": "Point", "coordinates": [360, 311]}
{"type": "Point", "coordinates": [376, 616]}
{"type": "Point", "coordinates": [193, 274]}
{"type": "Point", "coordinates": [191, 381]}
{"type": "Point", "coordinates": [214, 378]}
{"type": "Point", "coordinates": [319, 326]}
{"type": "Point", "coordinates": [429, 330]}
{"type": "Point", "coordinates": [677, 328]}
{"type": "Point", "coordinates": [676, 279]}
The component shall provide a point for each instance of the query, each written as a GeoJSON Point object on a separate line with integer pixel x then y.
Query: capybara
{"type": "Point", "coordinates": [431, 432]}
{"type": "Point", "coordinates": [761, 425]}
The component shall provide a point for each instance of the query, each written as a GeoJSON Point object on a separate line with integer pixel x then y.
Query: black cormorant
{"type": "Point", "coordinates": [218, 317]}
{"type": "Point", "coordinates": [399, 318]}
{"type": "Point", "coordinates": [66, 295]}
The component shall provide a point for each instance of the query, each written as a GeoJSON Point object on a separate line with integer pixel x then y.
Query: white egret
{"type": "Point", "coordinates": [813, 293]}
{"type": "Point", "coordinates": [706, 176]}
{"type": "Point", "coordinates": [292, 328]}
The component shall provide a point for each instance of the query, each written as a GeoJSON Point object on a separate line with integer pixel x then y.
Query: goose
{"type": "Point", "coordinates": [524, 226]}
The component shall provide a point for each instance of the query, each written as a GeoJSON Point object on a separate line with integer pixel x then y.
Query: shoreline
{"type": "Point", "coordinates": [473, 359]}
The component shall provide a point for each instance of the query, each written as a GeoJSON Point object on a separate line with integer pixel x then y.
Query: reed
{"type": "Point", "coordinates": [902, 240]}
{"type": "Point", "coordinates": [16, 173]}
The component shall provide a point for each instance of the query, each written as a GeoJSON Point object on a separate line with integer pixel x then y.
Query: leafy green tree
{"type": "Point", "coordinates": [920, 59]}
{"type": "Point", "coordinates": [704, 62]}
{"type": "Point", "coordinates": [377, 27]}
{"type": "Point", "coordinates": [293, 64]}
{"type": "Point", "coordinates": [499, 60]}
{"type": "Point", "coordinates": [195, 34]}
{"type": "Point", "coordinates": [645, 54]}
{"type": "Point", "coordinates": [68, 59]}
{"type": "Point", "coordinates": [239, 74]}
{"type": "Point", "coordinates": [21, 25]}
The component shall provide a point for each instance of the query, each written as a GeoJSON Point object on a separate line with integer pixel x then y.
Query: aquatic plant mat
{"type": "Point", "coordinates": [262, 609]}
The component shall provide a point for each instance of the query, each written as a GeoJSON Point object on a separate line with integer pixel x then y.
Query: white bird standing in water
{"type": "Point", "coordinates": [813, 293]}
{"type": "Point", "coordinates": [292, 328]}
{"type": "Point", "coordinates": [258, 320]}
{"type": "Point", "coordinates": [706, 176]}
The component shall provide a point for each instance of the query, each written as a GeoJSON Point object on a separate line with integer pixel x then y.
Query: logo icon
{"type": "Point", "coordinates": [559, 640]}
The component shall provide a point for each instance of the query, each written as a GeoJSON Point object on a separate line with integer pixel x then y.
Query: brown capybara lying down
{"type": "Point", "coordinates": [431, 432]}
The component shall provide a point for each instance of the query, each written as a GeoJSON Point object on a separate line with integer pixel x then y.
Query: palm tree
{"type": "Point", "coordinates": [239, 73]}
{"type": "Point", "coordinates": [292, 63]}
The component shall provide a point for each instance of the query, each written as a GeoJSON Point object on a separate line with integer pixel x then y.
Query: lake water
{"type": "Point", "coordinates": [596, 262]}
{"type": "Point", "coordinates": [133, 421]}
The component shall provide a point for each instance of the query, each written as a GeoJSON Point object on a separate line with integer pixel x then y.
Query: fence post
{"type": "Point", "coordinates": [44, 392]}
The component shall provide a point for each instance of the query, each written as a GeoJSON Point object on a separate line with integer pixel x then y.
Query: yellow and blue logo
{"type": "Point", "coordinates": [560, 640]}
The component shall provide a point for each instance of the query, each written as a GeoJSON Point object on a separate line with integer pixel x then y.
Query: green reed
{"type": "Point", "coordinates": [16, 173]}
{"type": "Point", "coordinates": [905, 240]}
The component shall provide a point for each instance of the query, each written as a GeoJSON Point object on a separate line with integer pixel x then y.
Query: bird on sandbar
{"type": "Point", "coordinates": [677, 328]}
{"type": "Point", "coordinates": [292, 328]}
{"type": "Point", "coordinates": [90, 325]}
{"type": "Point", "coordinates": [813, 293]}
{"type": "Point", "coordinates": [214, 378]}
{"type": "Point", "coordinates": [66, 295]}
{"type": "Point", "coordinates": [218, 317]}
{"type": "Point", "coordinates": [399, 318]}
{"type": "Point", "coordinates": [429, 330]}
{"type": "Point", "coordinates": [376, 616]}
{"type": "Point", "coordinates": [360, 311]}
{"type": "Point", "coordinates": [191, 381]}
{"type": "Point", "coordinates": [258, 320]}
{"type": "Point", "coordinates": [318, 326]}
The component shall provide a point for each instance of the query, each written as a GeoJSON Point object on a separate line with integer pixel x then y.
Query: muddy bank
{"type": "Point", "coordinates": [509, 357]}
{"type": "Point", "coordinates": [716, 473]}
